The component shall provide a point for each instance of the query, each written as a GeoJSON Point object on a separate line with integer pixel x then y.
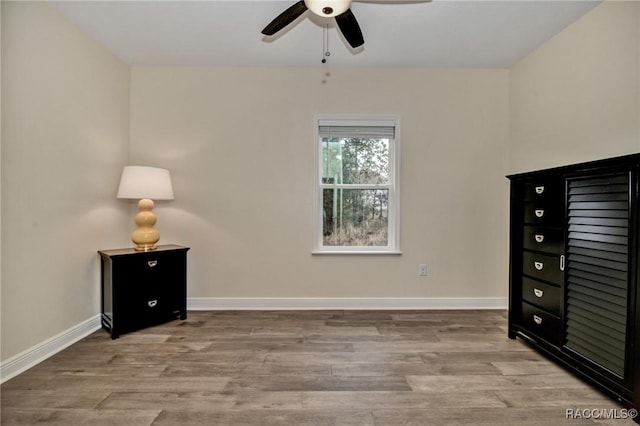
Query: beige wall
{"type": "Point", "coordinates": [239, 144]}
{"type": "Point", "coordinates": [576, 98]}
{"type": "Point", "coordinates": [65, 138]}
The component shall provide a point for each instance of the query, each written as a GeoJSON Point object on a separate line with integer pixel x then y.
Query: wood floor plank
{"type": "Point", "coordinates": [400, 400]}
{"type": "Point", "coordinates": [204, 401]}
{"type": "Point", "coordinates": [43, 398]}
{"type": "Point", "coordinates": [588, 397]}
{"type": "Point", "coordinates": [214, 338]}
{"type": "Point", "coordinates": [527, 368]}
{"type": "Point", "coordinates": [77, 417]}
{"type": "Point", "coordinates": [454, 346]}
{"type": "Point", "coordinates": [425, 369]}
{"type": "Point", "coordinates": [492, 357]}
{"type": "Point", "coordinates": [318, 383]}
{"type": "Point", "coordinates": [303, 368]}
{"type": "Point", "coordinates": [115, 383]}
{"type": "Point", "coordinates": [265, 418]}
{"type": "Point", "coordinates": [345, 357]}
{"type": "Point", "coordinates": [248, 400]}
{"type": "Point", "coordinates": [274, 347]}
{"type": "Point", "coordinates": [302, 330]}
{"type": "Point", "coordinates": [477, 416]}
{"type": "Point", "coordinates": [374, 336]}
{"type": "Point", "coordinates": [189, 368]}
{"type": "Point", "coordinates": [447, 383]}
{"type": "Point", "coordinates": [160, 400]}
{"type": "Point", "coordinates": [130, 370]}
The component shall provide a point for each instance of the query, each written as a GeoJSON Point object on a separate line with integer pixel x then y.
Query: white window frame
{"type": "Point", "coordinates": [393, 224]}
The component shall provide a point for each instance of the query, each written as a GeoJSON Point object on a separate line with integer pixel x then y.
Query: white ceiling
{"type": "Point", "coordinates": [441, 33]}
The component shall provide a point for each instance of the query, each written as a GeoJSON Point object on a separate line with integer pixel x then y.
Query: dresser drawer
{"type": "Point", "coordinates": [542, 267]}
{"type": "Point", "coordinates": [543, 214]}
{"type": "Point", "coordinates": [545, 296]}
{"type": "Point", "coordinates": [543, 190]}
{"type": "Point", "coordinates": [550, 240]}
{"type": "Point", "coordinates": [541, 323]}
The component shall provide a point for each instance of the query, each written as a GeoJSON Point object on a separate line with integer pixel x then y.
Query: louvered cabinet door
{"type": "Point", "coordinates": [597, 270]}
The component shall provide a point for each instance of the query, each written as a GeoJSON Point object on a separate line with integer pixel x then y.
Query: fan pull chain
{"type": "Point", "coordinates": [325, 51]}
{"type": "Point", "coordinates": [325, 44]}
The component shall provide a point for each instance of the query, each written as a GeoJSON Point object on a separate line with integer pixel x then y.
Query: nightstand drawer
{"type": "Point", "coordinates": [146, 305]}
{"type": "Point", "coordinates": [545, 296]}
{"type": "Point", "coordinates": [543, 267]}
{"type": "Point", "coordinates": [550, 240]}
{"type": "Point", "coordinates": [148, 267]}
{"type": "Point", "coordinates": [152, 298]}
{"type": "Point", "coordinates": [541, 323]}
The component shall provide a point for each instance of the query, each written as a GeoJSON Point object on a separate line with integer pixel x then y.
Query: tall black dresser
{"type": "Point", "coordinates": [574, 269]}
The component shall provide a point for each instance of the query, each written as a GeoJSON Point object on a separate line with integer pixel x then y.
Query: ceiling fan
{"type": "Point", "coordinates": [338, 9]}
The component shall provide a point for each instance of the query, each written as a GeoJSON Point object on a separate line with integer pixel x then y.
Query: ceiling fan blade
{"type": "Point", "coordinates": [285, 18]}
{"type": "Point", "coordinates": [350, 29]}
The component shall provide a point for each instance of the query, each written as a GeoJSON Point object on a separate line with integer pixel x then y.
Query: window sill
{"type": "Point", "coordinates": [359, 252]}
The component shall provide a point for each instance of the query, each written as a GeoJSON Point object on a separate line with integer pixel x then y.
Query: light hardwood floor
{"type": "Point", "coordinates": [304, 368]}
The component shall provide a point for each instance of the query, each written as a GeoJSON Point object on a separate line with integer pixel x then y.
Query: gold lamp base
{"type": "Point", "coordinates": [146, 236]}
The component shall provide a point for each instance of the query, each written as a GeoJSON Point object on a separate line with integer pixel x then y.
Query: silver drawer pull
{"type": "Point", "coordinates": [562, 262]}
{"type": "Point", "coordinates": [152, 263]}
{"type": "Point", "coordinates": [539, 212]}
{"type": "Point", "coordinates": [538, 265]}
{"type": "Point", "coordinates": [539, 238]}
{"type": "Point", "coordinates": [539, 189]}
{"type": "Point", "coordinates": [537, 319]}
{"type": "Point", "coordinates": [538, 292]}
{"type": "Point", "coordinates": [152, 303]}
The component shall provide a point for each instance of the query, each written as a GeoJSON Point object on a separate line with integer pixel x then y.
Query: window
{"type": "Point", "coordinates": [356, 185]}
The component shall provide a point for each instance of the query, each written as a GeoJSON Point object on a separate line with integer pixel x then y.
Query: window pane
{"type": "Point", "coordinates": [355, 217]}
{"type": "Point", "coordinates": [355, 160]}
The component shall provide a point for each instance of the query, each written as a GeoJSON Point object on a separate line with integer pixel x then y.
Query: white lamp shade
{"type": "Point", "coordinates": [337, 7]}
{"type": "Point", "coordinates": [139, 182]}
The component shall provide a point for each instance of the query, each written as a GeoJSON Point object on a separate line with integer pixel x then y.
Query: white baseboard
{"type": "Point", "coordinates": [355, 303]}
{"type": "Point", "coordinates": [32, 356]}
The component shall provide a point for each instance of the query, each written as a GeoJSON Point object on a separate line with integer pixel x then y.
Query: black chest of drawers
{"type": "Point", "coordinates": [141, 289]}
{"type": "Point", "coordinates": [574, 268]}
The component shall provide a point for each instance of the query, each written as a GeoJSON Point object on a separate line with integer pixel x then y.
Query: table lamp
{"type": "Point", "coordinates": [145, 184]}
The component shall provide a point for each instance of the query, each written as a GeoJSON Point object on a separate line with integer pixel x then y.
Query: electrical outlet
{"type": "Point", "coordinates": [422, 269]}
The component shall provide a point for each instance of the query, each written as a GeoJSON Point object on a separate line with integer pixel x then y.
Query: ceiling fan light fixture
{"type": "Point", "coordinates": [328, 8]}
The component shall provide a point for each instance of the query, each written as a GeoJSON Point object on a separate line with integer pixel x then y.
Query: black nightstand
{"type": "Point", "coordinates": [141, 289]}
